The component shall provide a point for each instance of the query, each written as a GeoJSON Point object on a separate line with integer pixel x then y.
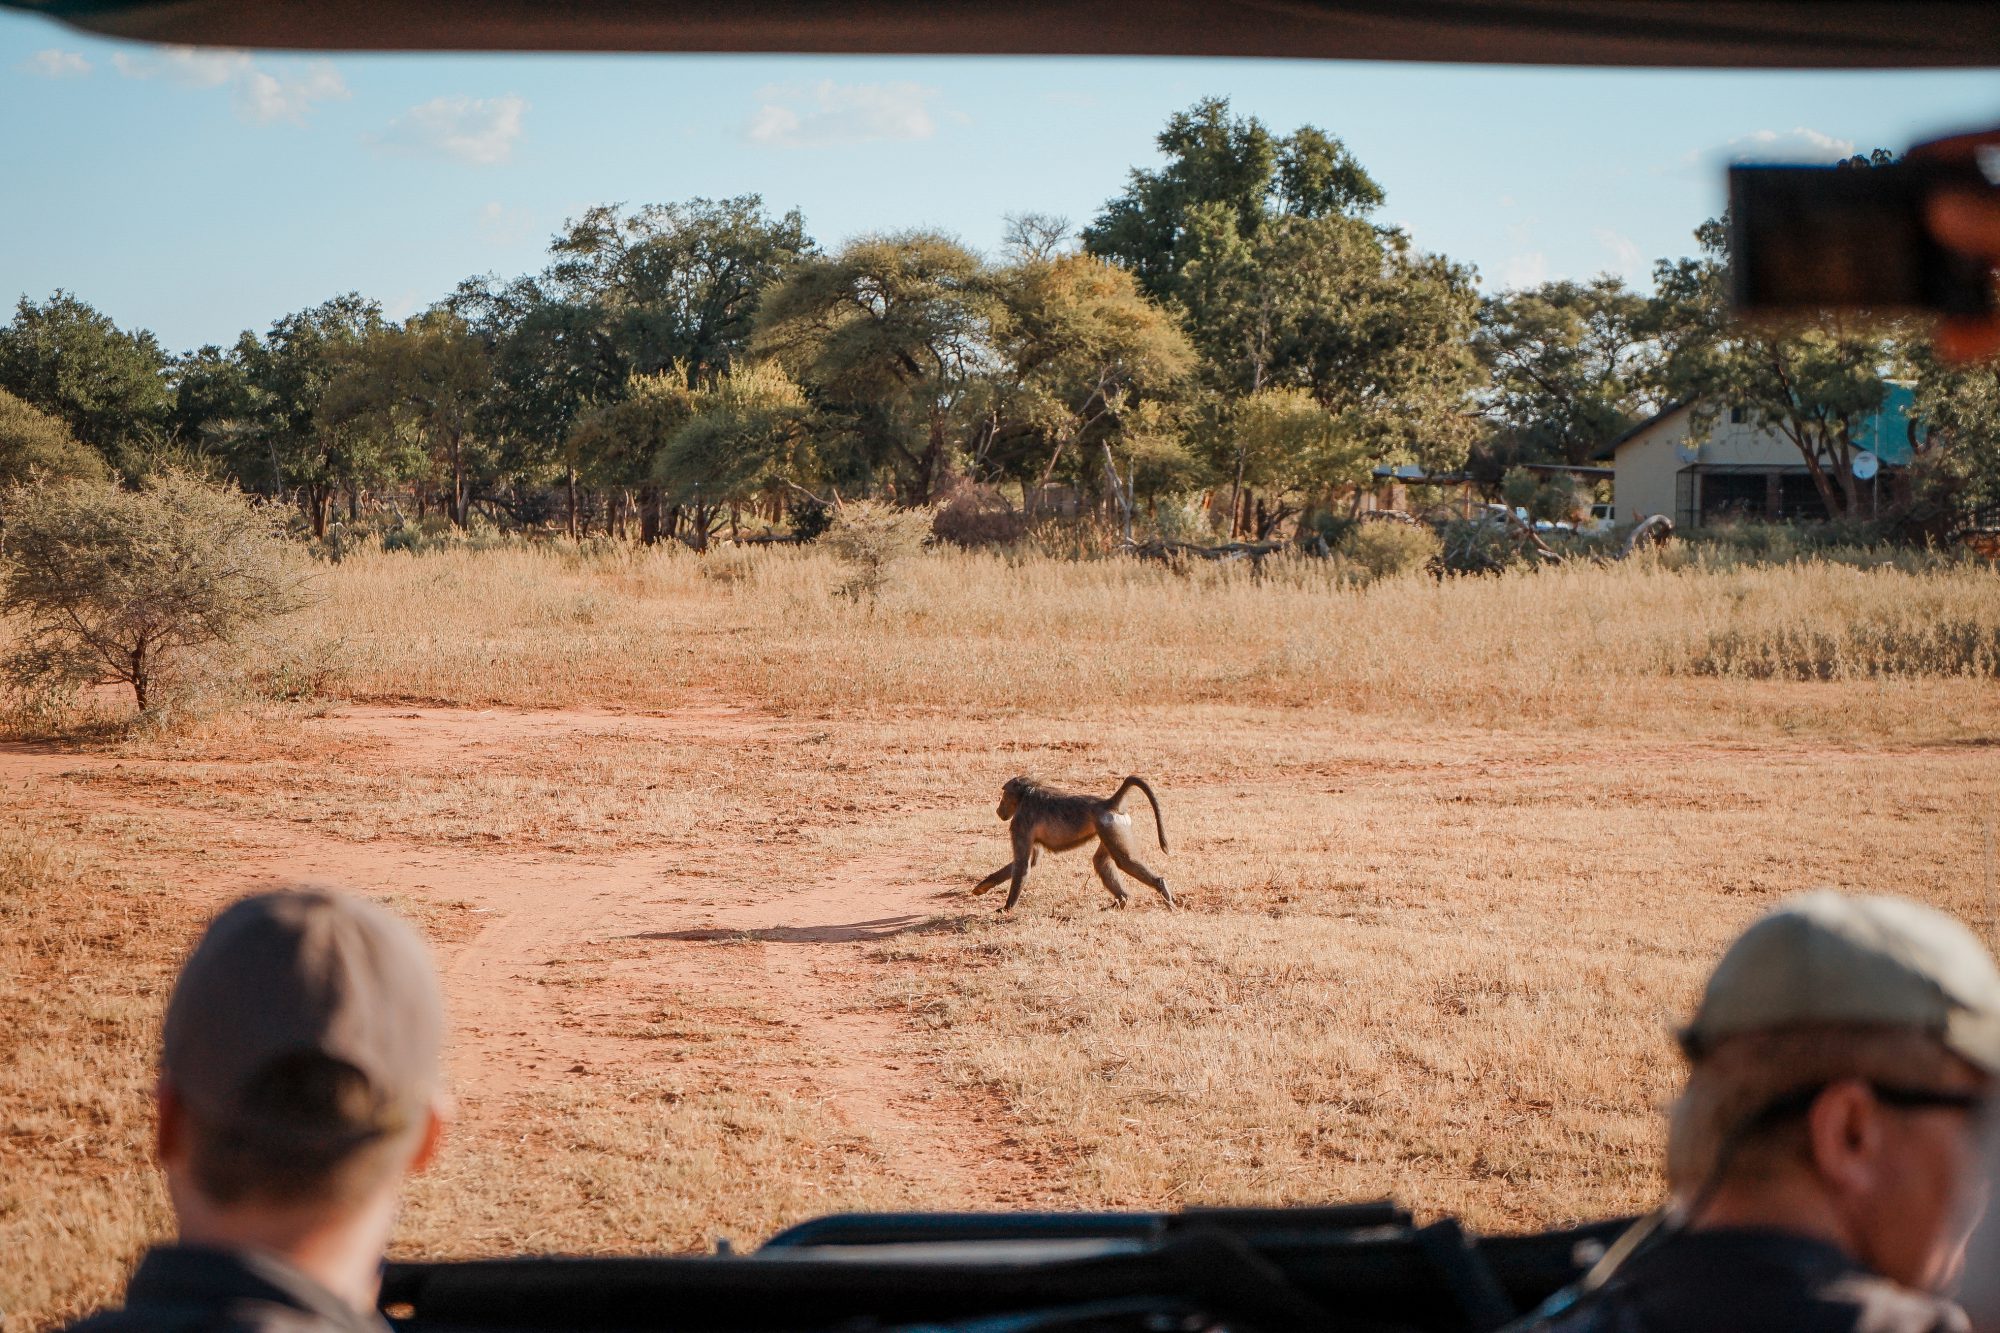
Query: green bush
{"type": "Point", "coordinates": [1385, 550]}
{"type": "Point", "coordinates": [1324, 527]}
{"type": "Point", "coordinates": [114, 585]}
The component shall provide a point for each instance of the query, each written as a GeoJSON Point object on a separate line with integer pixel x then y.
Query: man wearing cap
{"type": "Point", "coordinates": [299, 1084]}
{"type": "Point", "coordinates": [1823, 1155]}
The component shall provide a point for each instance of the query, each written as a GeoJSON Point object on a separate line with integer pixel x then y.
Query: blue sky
{"type": "Point", "coordinates": [201, 193]}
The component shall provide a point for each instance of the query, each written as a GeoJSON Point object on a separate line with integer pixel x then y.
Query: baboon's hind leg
{"type": "Point", "coordinates": [1102, 860]}
{"type": "Point", "coordinates": [1132, 866]}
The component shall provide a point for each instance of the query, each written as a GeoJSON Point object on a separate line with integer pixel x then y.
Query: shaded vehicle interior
{"type": "Point", "coordinates": [1364, 1266]}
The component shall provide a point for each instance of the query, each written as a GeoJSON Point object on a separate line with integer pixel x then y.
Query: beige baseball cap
{"type": "Point", "coordinates": [1829, 957]}
{"type": "Point", "coordinates": [305, 973]}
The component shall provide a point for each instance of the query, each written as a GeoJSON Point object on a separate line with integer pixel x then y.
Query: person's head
{"type": "Point", "coordinates": [300, 1061]}
{"type": "Point", "coordinates": [1838, 1062]}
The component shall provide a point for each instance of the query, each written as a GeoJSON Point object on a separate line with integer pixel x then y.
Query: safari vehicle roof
{"type": "Point", "coordinates": [1785, 34]}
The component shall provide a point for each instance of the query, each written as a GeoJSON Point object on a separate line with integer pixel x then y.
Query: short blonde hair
{"type": "Point", "coordinates": [1708, 1129]}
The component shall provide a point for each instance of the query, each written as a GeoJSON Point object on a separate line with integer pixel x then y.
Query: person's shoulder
{"type": "Point", "coordinates": [1717, 1282]}
{"type": "Point", "coordinates": [1881, 1306]}
{"type": "Point", "coordinates": [237, 1316]}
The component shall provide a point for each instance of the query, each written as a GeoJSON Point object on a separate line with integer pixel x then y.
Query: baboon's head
{"type": "Point", "coordinates": [1010, 796]}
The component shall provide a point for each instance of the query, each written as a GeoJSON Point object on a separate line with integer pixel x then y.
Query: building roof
{"type": "Point", "coordinates": [1669, 410]}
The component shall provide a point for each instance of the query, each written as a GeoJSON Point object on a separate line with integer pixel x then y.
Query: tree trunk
{"type": "Point", "coordinates": [1235, 498]}
{"type": "Point", "coordinates": [569, 481]}
{"type": "Point", "coordinates": [649, 514]}
{"type": "Point", "coordinates": [138, 671]}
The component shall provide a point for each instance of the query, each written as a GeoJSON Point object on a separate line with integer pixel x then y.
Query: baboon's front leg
{"type": "Point", "coordinates": [1102, 860]}
{"type": "Point", "coordinates": [994, 878]}
{"type": "Point", "coordinates": [1024, 856]}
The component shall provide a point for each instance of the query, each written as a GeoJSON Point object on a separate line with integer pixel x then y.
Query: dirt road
{"type": "Point", "coordinates": [553, 958]}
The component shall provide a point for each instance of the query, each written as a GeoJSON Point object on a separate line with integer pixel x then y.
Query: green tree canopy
{"type": "Point", "coordinates": [108, 386]}
{"type": "Point", "coordinates": [423, 384]}
{"type": "Point", "coordinates": [1232, 172]}
{"type": "Point", "coordinates": [303, 441]}
{"type": "Point", "coordinates": [624, 295]}
{"type": "Point", "coordinates": [1572, 367]}
{"type": "Point", "coordinates": [750, 433]}
{"type": "Point", "coordinates": [892, 338]}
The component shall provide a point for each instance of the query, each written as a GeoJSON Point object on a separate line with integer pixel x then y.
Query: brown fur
{"type": "Point", "coordinates": [1044, 818]}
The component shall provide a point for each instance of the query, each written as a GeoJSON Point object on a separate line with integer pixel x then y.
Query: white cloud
{"type": "Point", "coordinates": [1525, 270]}
{"type": "Point", "coordinates": [479, 130]}
{"type": "Point", "coordinates": [266, 97]}
{"type": "Point", "coordinates": [1797, 144]}
{"type": "Point", "coordinates": [261, 95]}
{"type": "Point", "coordinates": [1621, 245]}
{"type": "Point", "coordinates": [831, 114]}
{"type": "Point", "coordinates": [54, 64]}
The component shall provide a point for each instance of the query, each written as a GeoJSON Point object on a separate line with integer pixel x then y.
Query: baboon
{"type": "Point", "coordinates": [1042, 817]}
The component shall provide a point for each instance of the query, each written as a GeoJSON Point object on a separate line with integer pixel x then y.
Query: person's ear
{"type": "Point", "coordinates": [1844, 1129]}
{"type": "Point", "coordinates": [169, 1123]}
{"type": "Point", "coordinates": [437, 1119]}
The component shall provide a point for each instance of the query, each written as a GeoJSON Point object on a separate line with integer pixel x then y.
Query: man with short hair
{"type": "Point", "coordinates": [1823, 1155]}
{"type": "Point", "coordinates": [299, 1084]}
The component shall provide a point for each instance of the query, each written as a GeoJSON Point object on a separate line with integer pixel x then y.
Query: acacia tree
{"type": "Point", "coordinates": [112, 584]}
{"type": "Point", "coordinates": [37, 446]}
{"type": "Point", "coordinates": [749, 433]}
{"type": "Point", "coordinates": [1082, 347]}
{"type": "Point", "coordinates": [892, 338]}
{"type": "Point", "coordinates": [613, 444]}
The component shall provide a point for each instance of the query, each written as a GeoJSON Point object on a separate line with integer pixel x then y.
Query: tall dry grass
{"type": "Point", "coordinates": [86, 954]}
{"type": "Point", "coordinates": [985, 633]}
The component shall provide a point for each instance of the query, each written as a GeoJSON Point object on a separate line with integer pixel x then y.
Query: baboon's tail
{"type": "Point", "coordinates": [1159, 823]}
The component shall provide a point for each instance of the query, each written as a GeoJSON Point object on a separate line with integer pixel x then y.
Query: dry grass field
{"type": "Point", "coordinates": [693, 838]}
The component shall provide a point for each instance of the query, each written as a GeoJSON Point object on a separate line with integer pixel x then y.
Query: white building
{"type": "Point", "coordinates": [1739, 471]}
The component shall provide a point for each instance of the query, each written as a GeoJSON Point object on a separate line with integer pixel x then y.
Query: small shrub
{"type": "Point", "coordinates": [1387, 550]}
{"type": "Point", "coordinates": [810, 519]}
{"type": "Point", "coordinates": [114, 585]}
{"type": "Point", "coordinates": [872, 539]}
{"type": "Point", "coordinates": [1182, 521]}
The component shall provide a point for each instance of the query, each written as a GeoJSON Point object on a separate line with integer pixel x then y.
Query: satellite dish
{"type": "Point", "coordinates": [1687, 450]}
{"type": "Point", "coordinates": [1865, 465]}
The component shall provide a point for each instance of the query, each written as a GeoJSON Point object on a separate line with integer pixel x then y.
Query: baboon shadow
{"type": "Point", "coordinates": [853, 932]}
